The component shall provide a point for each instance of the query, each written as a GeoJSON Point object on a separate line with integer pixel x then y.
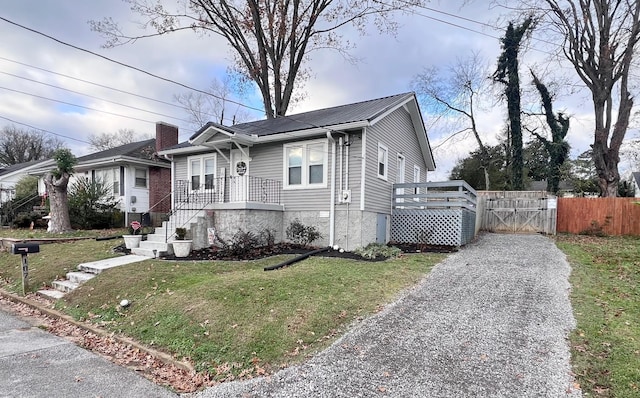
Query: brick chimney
{"type": "Point", "coordinates": [166, 135]}
{"type": "Point", "coordinates": [160, 177]}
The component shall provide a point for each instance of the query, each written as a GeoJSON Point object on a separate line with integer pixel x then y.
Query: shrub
{"type": "Point", "coordinates": [378, 250]}
{"type": "Point", "coordinates": [241, 243]}
{"type": "Point", "coordinates": [91, 205]}
{"type": "Point", "coordinates": [301, 234]}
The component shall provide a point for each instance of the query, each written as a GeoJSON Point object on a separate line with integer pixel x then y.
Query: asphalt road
{"type": "Point", "coordinates": [34, 363]}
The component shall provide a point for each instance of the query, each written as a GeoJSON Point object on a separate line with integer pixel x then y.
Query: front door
{"type": "Point", "coordinates": [239, 183]}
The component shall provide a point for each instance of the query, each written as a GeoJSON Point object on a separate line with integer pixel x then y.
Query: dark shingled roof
{"type": "Point", "coordinates": [140, 150]}
{"type": "Point", "coordinates": [16, 167]}
{"type": "Point", "coordinates": [358, 112]}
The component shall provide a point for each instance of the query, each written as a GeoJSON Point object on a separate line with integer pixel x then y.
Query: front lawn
{"type": "Point", "coordinates": [232, 319]}
{"type": "Point", "coordinates": [606, 302]}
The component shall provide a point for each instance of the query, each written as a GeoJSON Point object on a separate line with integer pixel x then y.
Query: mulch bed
{"type": "Point", "coordinates": [212, 254]}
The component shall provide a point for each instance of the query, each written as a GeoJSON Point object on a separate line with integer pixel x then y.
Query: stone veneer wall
{"type": "Point", "coordinates": [228, 222]}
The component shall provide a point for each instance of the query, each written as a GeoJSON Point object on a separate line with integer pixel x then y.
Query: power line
{"type": "Point", "coordinates": [99, 85]}
{"type": "Point", "coordinates": [127, 65]}
{"type": "Point", "coordinates": [43, 130]}
{"type": "Point", "coordinates": [76, 105]}
{"type": "Point", "coordinates": [94, 97]}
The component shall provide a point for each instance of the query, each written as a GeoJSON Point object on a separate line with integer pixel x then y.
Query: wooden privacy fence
{"type": "Point", "coordinates": [612, 216]}
{"type": "Point", "coordinates": [517, 211]}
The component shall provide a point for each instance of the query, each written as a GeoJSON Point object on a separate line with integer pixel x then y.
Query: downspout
{"type": "Point", "coordinates": [346, 186]}
{"type": "Point", "coordinates": [332, 203]}
{"type": "Point", "coordinates": [341, 161]}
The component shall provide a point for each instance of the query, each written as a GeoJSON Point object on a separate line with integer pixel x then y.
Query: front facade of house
{"type": "Point", "coordinates": [332, 168]}
{"type": "Point", "coordinates": [139, 180]}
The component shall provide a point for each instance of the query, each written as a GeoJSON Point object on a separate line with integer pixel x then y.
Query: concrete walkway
{"type": "Point", "coordinates": [34, 363]}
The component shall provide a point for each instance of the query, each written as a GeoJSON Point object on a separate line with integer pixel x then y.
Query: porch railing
{"type": "Point", "coordinates": [228, 190]}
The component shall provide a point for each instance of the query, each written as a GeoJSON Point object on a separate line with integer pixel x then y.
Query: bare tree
{"type": "Point", "coordinates": [104, 141]}
{"type": "Point", "coordinates": [19, 146]}
{"type": "Point", "coordinates": [204, 108]}
{"type": "Point", "coordinates": [458, 90]}
{"type": "Point", "coordinates": [271, 39]}
{"type": "Point", "coordinates": [600, 39]}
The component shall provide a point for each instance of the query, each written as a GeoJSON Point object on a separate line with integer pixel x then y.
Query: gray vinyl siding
{"type": "Point", "coordinates": [395, 132]}
{"type": "Point", "coordinates": [310, 199]}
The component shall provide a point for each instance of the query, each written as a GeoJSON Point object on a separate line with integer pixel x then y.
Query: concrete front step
{"type": "Point", "coordinates": [96, 267]}
{"type": "Point", "coordinates": [65, 286]}
{"type": "Point", "coordinates": [51, 294]}
{"type": "Point", "coordinates": [80, 277]}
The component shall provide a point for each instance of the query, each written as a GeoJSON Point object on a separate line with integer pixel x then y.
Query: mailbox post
{"type": "Point", "coordinates": [23, 249]}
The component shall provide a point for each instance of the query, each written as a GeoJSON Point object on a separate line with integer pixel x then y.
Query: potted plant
{"type": "Point", "coordinates": [133, 239]}
{"type": "Point", "coordinates": [181, 246]}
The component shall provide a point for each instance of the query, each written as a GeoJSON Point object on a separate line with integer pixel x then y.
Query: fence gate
{"type": "Point", "coordinates": [518, 211]}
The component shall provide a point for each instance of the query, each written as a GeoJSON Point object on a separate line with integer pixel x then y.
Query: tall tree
{"type": "Point", "coordinates": [20, 146]}
{"type": "Point", "coordinates": [600, 40]}
{"type": "Point", "coordinates": [458, 91]}
{"type": "Point", "coordinates": [507, 73]}
{"type": "Point", "coordinates": [558, 147]}
{"type": "Point", "coordinates": [203, 108]}
{"type": "Point", "coordinates": [271, 39]}
{"type": "Point", "coordinates": [56, 182]}
{"type": "Point", "coordinates": [104, 141]}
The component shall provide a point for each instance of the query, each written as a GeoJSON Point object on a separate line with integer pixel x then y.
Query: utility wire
{"type": "Point", "coordinates": [76, 105]}
{"type": "Point", "coordinates": [127, 65]}
{"type": "Point", "coordinates": [46, 131]}
{"type": "Point", "coordinates": [94, 97]}
{"type": "Point", "coordinates": [101, 85]}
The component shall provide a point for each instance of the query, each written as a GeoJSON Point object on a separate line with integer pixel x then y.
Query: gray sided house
{"type": "Point", "coordinates": [139, 179]}
{"type": "Point", "coordinates": [332, 168]}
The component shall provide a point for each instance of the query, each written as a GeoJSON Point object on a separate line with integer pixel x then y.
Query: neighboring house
{"type": "Point", "coordinates": [9, 177]}
{"type": "Point", "coordinates": [139, 179]}
{"type": "Point", "coordinates": [331, 168]}
{"type": "Point", "coordinates": [635, 183]}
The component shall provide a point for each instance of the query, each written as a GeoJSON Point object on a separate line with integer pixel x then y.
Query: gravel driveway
{"type": "Point", "coordinates": [489, 321]}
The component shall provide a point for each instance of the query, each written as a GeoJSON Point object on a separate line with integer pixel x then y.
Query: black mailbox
{"type": "Point", "coordinates": [25, 248]}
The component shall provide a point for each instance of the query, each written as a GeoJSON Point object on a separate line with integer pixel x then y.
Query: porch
{"type": "Point", "coordinates": [236, 190]}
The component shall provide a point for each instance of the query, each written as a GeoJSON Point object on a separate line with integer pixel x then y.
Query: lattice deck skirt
{"type": "Point", "coordinates": [450, 227]}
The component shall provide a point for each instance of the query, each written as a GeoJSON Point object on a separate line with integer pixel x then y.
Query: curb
{"type": "Point", "coordinates": [162, 356]}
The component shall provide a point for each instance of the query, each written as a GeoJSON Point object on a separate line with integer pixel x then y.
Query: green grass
{"type": "Point", "coordinates": [41, 233]}
{"type": "Point", "coordinates": [606, 303]}
{"type": "Point", "coordinates": [232, 319]}
{"type": "Point", "coordinates": [52, 262]}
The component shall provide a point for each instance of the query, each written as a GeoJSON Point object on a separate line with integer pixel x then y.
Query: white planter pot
{"type": "Point", "coordinates": [132, 241]}
{"type": "Point", "coordinates": [181, 248]}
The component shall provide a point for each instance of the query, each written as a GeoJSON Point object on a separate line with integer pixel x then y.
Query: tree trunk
{"type": "Point", "coordinates": [58, 202]}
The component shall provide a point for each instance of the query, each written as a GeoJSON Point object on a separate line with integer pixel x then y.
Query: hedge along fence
{"type": "Point", "coordinates": [611, 216]}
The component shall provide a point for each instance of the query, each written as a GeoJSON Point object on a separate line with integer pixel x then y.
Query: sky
{"type": "Point", "coordinates": [70, 93]}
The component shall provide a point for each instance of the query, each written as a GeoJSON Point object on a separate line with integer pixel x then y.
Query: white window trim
{"type": "Point", "coordinates": [416, 179]}
{"type": "Point", "coordinates": [146, 173]}
{"type": "Point", "coordinates": [305, 165]}
{"type": "Point", "coordinates": [384, 176]}
{"type": "Point", "coordinates": [202, 159]}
